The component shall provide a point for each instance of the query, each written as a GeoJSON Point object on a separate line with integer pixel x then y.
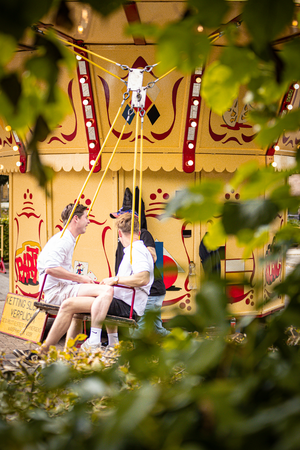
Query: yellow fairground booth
{"type": "Point", "coordinates": [183, 143]}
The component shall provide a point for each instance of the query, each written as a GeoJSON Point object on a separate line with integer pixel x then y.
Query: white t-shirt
{"type": "Point", "coordinates": [58, 252]}
{"type": "Point", "coordinates": [141, 261]}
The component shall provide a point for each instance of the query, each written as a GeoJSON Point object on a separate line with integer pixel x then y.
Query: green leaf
{"type": "Point", "coordinates": [204, 11]}
{"type": "Point", "coordinates": [206, 357]}
{"type": "Point", "coordinates": [179, 45]}
{"type": "Point", "coordinates": [216, 236]}
{"type": "Point", "coordinates": [218, 87]}
{"type": "Point", "coordinates": [143, 30]}
{"type": "Point", "coordinates": [288, 232]}
{"type": "Point", "coordinates": [266, 90]}
{"type": "Point", "coordinates": [105, 8]}
{"type": "Point", "coordinates": [243, 60]}
{"type": "Point", "coordinates": [251, 240]}
{"type": "Point", "coordinates": [8, 46]}
{"type": "Point", "coordinates": [56, 375]}
{"type": "Point", "coordinates": [17, 15]}
{"type": "Point", "coordinates": [12, 88]}
{"type": "Point", "coordinates": [283, 198]}
{"type": "Point", "coordinates": [222, 78]}
{"type": "Point", "coordinates": [272, 132]}
{"type": "Point", "coordinates": [266, 19]}
{"type": "Point", "coordinates": [42, 173]}
{"type": "Point", "coordinates": [90, 388]}
{"type": "Point", "coordinates": [66, 58]}
{"type": "Point", "coordinates": [212, 304]}
{"type": "Point", "coordinates": [289, 55]}
{"type": "Point", "coordinates": [42, 68]}
{"type": "Point", "coordinates": [249, 214]}
{"type": "Point", "coordinates": [197, 203]}
{"type": "Point", "coordinates": [58, 109]}
{"type": "Point", "coordinates": [260, 181]}
{"type": "Point", "coordinates": [298, 156]}
{"type": "Point", "coordinates": [243, 173]}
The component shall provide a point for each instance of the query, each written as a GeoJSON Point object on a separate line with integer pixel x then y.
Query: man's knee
{"type": "Point", "coordinates": [67, 305]}
{"type": "Point", "coordinates": [106, 291]}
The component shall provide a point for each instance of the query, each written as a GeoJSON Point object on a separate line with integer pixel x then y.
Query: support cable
{"type": "Point", "coordinates": [104, 173]}
{"type": "Point", "coordinates": [88, 51]}
{"type": "Point", "coordinates": [134, 183]}
{"type": "Point", "coordinates": [93, 168]}
{"type": "Point", "coordinates": [142, 114]}
{"type": "Point", "coordinates": [94, 64]}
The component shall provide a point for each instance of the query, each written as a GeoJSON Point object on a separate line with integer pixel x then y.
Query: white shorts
{"type": "Point", "coordinates": [60, 292]}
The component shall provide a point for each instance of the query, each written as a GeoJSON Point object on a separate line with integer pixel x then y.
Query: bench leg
{"type": "Point", "coordinates": [44, 328]}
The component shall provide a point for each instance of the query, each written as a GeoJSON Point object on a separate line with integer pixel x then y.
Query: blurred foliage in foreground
{"type": "Point", "coordinates": [197, 390]}
{"type": "Point", "coordinates": [193, 390]}
{"type": "Point", "coordinates": [199, 387]}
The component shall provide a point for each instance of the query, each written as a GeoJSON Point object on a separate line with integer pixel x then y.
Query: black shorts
{"type": "Point", "coordinates": [121, 309]}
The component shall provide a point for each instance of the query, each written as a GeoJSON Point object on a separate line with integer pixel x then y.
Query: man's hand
{"type": "Point", "coordinates": [135, 280]}
{"type": "Point", "coordinates": [108, 281]}
{"type": "Point", "coordinates": [86, 279]}
{"type": "Point", "coordinates": [60, 272]}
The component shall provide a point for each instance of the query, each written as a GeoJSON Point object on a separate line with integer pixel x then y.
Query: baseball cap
{"type": "Point", "coordinates": [122, 211]}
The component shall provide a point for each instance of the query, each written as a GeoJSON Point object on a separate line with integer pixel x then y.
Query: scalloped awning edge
{"type": "Point", "coordinates": [125, 161]}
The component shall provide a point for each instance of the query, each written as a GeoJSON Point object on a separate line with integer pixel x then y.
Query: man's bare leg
{"type": "Point", "coordinates": [80, 304]}
{"type": "Point", "coordinates": [112, 334]}
{"type": "Point", "coordinates": [74, 329]}
{"type": "Point", "coordinates": [76, 324]}
{"type": "Point", "coordinates": [64, 318]}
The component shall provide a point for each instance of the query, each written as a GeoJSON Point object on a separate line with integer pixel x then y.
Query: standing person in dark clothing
{"type": "Point", "coordinates": [158, 289]}
{"type": "Point", "coordinates": [210, 260]}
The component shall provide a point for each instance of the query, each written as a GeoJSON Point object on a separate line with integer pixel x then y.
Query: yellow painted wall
{"type": "Point", "coordinates": [35, 218]}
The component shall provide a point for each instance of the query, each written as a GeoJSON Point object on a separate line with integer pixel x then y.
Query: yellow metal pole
{"type": "Point", "coordinates": [104, 174]}
{"type": "Point", "coordinates": [134, 182]}
{"type": "Point", "coordinates": [91, 171]}
{"type": "Point", "coordinates": [94, 64]}
{"type": "Point", "coordinates": [167, 73]}
{"type": "Point", "coordinates": [88, 51]}
{"type": "Point", "coordinates": [141, 172]}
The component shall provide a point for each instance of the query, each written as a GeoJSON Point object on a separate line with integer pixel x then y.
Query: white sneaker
{"type": "Point", "coordinates": [88, 347]}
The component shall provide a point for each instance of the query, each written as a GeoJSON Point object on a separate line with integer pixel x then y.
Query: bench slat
{"type": "Point", "coordinates": [115, 320]}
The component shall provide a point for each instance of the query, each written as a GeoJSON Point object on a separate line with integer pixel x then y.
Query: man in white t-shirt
{"type": "Point", "coordinates": [74, 293]}
{"type": "Point", "coordinates": [138, 274]}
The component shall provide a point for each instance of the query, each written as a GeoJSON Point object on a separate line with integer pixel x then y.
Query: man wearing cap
{"type": "Point", "coordinates": [158, 289]}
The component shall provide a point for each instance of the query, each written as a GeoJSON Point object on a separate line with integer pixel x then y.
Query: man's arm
{"type": "Point", "coordinates": [60, 272]}
{"type": "Point", "coordinates": [153, 253]}
{"type": "Point", "coordinates": [148, 240]}
{"type": "Point", "coordinates": [135, 280]}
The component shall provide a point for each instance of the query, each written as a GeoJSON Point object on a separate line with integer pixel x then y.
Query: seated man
{"type": "Point", "coordinates": [75, 293]}
{"type": "Point", "coordinates": [158, 289]}
{"type": "Point", "coordinates": [79, 294]}
{"type": "Point", "coordinates": [139, 274]}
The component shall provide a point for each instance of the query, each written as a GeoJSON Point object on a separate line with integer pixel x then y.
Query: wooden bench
{"type": "Point", "coordinates": [52, 310]}
{"type": "Point", "coordinates": [114, 320]}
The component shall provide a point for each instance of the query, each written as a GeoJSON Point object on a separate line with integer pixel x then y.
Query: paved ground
{"type": "Point", "coordinates": [9, 343]}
